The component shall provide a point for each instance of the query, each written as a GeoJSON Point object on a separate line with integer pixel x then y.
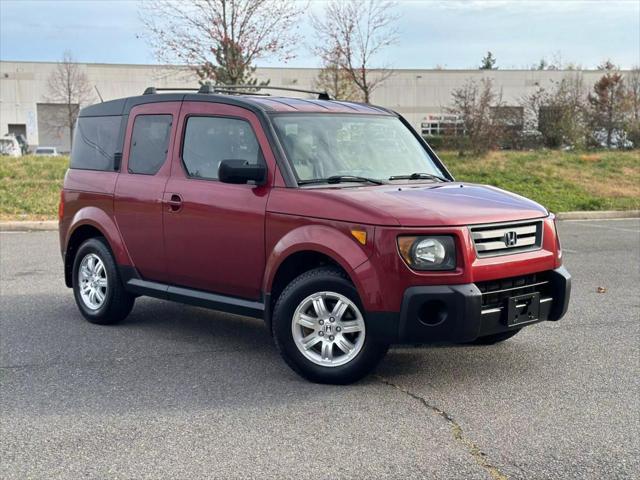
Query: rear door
{"type": "Point", "coordinates": [139, 190]}
{"type": "Point", "coordinates": [214, 232]}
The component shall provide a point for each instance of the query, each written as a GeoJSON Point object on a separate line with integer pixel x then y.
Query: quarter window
{"type": "Point", "coordinates": [95, 142]}
{"type": "Point", "coordinates": [210, 140]}
{"type": "Point", "coordinates": [149, 143]}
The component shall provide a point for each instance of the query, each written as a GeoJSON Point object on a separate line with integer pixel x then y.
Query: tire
{"type": "Point", "coordinates": [107, 301]}
{"type": "Point", "coordinates": [330, 359]}
{"type": "Point", "coordinates": [496, 338]}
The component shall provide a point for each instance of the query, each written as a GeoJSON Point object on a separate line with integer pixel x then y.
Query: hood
{"type": "Point", "coordinates": [441, 204]}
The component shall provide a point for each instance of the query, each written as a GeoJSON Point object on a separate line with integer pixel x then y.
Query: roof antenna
{"type": "Point", "coordinates": [101, 99]}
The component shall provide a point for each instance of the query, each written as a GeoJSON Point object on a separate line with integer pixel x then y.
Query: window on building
{"type": "Point", "coordinates": [442, 124]}
{"type": "Point", "coordinates": [95, 141]}
{"type": "Point", "coordinates": [511, 118]}
{"type": "Point", "coordinates": [149, 143]}
{"type": "Point", "coordinates": [210, 140]}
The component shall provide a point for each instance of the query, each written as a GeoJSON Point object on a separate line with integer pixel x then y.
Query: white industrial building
{"type": "Point", "coordinates": [420, 95]}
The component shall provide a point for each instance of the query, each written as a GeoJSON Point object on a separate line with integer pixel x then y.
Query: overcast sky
{"type": "Point", "coordinates": [449, 34]}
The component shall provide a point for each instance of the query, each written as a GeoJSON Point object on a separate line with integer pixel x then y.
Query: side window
{"type": "Point", "coordinates": [95, 141]}
{"type": "Point", "coordinates": [210, 140]}
{"type": "Point", "coordinates": [149, 143]}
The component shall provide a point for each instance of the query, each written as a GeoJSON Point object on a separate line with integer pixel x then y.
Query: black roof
{"type": "Point", "coordinates": [123, 106]}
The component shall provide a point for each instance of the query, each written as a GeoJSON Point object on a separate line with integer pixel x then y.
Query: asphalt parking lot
{"type": "Point", "coordinates": [181, 392]}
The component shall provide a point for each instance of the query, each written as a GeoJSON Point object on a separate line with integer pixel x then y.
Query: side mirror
{"type": "Point", "coordinates": [241, 171]}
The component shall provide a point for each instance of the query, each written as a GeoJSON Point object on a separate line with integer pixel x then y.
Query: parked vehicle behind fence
{"type": "Point", "coordinates": [333, 221]}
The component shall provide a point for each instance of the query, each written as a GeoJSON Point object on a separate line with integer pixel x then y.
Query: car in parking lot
{"type": "Point", "coordinates": [10, 146]}
{"type": "Point", "coordinates": [46, 151]}
{"type": "Point", "coordinates": [334, 221]}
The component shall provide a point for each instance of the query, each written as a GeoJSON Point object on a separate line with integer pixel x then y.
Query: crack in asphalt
{"type": "Point", "coordinates": [456, 430]}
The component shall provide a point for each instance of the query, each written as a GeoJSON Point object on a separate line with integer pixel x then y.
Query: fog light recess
{"type": "Point", "coordinates": [433, 313]}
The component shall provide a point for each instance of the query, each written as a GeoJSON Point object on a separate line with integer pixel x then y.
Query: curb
{"type": "Point", "coordinates": [52, 225]}
{"type": "Point", "coordinates": [29, 226]}
{"type": "Point", "coordinates": [598, 215]}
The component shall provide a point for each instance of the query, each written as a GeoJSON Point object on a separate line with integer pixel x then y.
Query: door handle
{"type": "Point", "coordinates": [174, 202]}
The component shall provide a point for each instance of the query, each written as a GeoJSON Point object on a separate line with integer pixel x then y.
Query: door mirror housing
{"type": "Point", "coordinates": [241, 171]}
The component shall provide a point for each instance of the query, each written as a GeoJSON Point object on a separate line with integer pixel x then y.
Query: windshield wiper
{"type": "Point", "coordinates": [342, 179]}
{"type": "Point", "coordinates": [419, 176]}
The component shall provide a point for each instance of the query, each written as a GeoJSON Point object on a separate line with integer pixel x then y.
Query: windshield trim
{"type": "Point", "coordinates": [392, 114]}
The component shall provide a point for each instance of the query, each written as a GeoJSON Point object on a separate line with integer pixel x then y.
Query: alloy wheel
{"type": "Point", "coordinates": [93, 281]}
{"type": "Point", "coordinates": [328, 329]}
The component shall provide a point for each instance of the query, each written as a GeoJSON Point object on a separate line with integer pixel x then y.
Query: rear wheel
{"type": "Point", "coordinates": [320, 329]}
{"type": "Point", "coordinates": [97, 287]}
{"type": "Point", "coordinates": [496, 338]}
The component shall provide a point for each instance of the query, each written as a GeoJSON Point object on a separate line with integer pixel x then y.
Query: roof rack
{"type": "Point", "coordinates": [208, 88]}
{"type": "Point", "coordinates": [154, 90]}
{"type": "Point", "coordinates": [321, 95]}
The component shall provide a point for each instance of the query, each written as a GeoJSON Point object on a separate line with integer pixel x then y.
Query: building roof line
{"type": "Point", "coordinates": [311, 69]}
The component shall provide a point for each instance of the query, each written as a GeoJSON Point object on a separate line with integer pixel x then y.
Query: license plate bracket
{"type": "Point", "coordinates": [523, 309]}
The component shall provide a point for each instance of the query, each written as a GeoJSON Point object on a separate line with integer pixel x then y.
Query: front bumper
{"type": "Point", "coordinates": [460, 313]}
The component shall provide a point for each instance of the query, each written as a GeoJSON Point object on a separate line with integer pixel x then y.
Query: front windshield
{"type": "Point", "coordinates": [320, 146]}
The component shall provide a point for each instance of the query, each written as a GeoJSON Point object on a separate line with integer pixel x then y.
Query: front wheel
{"type": "Point", "coordinates": [321, 331]}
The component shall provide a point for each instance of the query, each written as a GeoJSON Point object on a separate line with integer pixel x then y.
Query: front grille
{"type": "Point", "coordinates": [495, 292]}
{"type": "Point", "coordinates": [506, 238]}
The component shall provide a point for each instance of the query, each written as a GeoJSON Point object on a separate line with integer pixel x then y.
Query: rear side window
{"type": "Point", "coordinates": [149, 143]}
{"type": "Point", "coordinates": [95, 141]}
{"type": "Point", "coordinates": [210, 140]}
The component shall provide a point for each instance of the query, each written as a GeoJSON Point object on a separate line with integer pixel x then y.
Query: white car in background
{"type": "Point", "coordinates": [46, 151]}
{"type": "Point", "coordinates": [10, 146]}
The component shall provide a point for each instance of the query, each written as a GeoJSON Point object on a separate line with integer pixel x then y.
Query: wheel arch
{"type": "Point", "coordinates": [295, 254]}
{"type": "Point", "coordinates": [88, 223]}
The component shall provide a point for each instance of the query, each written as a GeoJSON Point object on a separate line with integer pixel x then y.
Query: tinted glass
{"type": "Point", "coordinates": [95, 141]}
{"type": "Point", "coordinates": [149, 143]}
{"type": "Point", "coordinates": [320, 146]}
{"type": "Point", "coordinates": [209, 140]}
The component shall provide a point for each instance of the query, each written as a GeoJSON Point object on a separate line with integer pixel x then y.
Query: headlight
{"type": "Point", "coordinates": [428, 253]}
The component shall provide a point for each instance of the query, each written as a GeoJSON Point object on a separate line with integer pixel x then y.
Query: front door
{"type": "Point", "coordinates": [214, 232]}
{"type": "Point", "coordinates": [140, 186]}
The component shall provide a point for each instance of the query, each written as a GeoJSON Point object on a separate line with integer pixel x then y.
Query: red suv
{"type": "Point", "coordinates": [333, 221]}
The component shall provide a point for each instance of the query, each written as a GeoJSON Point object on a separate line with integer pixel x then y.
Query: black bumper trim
{"type": "Point", "coordinates": [454, 313]}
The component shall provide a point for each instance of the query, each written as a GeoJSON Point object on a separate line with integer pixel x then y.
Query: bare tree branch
{"type": "Point", "coordinates": [357, 31]}
{"type": "Point", "coordinates": [221, 39]}
{"type": "Point", "coordinates": [68, 85]}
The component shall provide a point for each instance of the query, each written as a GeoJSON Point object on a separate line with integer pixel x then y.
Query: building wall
{"type": "Point", "coordinates": [413, 93]}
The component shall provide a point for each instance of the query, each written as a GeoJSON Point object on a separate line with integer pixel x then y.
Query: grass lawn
{"type": "Point", "coordinates": [562, 181]}
{"type": "Point", "coordinates": [30, 187]}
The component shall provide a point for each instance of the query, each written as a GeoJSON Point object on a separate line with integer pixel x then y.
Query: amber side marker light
{"type": "Point", "coordinates": [360, 236]}
{"type": "Point", "coordinates": [404, 245]}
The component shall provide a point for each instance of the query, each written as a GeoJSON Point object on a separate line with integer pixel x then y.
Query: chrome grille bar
{"type": "Point", "coordinates": [506, 238]}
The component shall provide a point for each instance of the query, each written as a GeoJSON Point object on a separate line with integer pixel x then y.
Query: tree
{"type": "Point", "coordinates": [633, 96]}
{"type": "Point", "coordinates": [477, 105]}
{"type": "Point", "coordinates": [608, 103]}
{"type": "Point", "coordinates": [352, 33]}
{"type": "Point", "coordinates": [488, 62]}
{"type": "Point", "coordinates": [68, 85]}
{"type": "Point", "coordinates": [336, 81]}
{"type": "Point", "coordinates": [221, 39]}
{"type": "Point", "coordinates": [633, 93]}
{"type": "Point", "coordinates": [558, 113]}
